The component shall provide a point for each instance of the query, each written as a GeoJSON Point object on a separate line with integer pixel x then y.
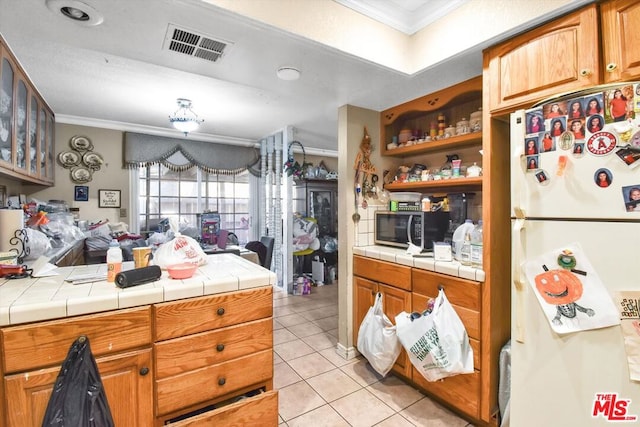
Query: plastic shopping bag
{"type": "Point", "coordinates": [377, 339]}
{"type": "Point", "coordinates": [78, 397]}
{"type": "Point", "coordinates": [437, 343]}
{"type": "Point", "coordinates": [180, 249]}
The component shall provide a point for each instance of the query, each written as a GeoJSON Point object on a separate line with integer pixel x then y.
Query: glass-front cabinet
{"type": "Point", "coordinates": [27, 125]}
{"type": "Point", "coordinates": [7, 74]}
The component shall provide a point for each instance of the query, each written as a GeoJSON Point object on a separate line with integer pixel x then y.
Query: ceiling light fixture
{"type": "Point", "coordinates": [184, 119]}
{"type": "Point", "coordinates": [77, 11]}
{"type": "Point", "coordinates": [288, 73]}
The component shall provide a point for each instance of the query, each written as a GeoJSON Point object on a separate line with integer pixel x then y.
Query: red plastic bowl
{"type": "Point", "coordinates": [181, 271]}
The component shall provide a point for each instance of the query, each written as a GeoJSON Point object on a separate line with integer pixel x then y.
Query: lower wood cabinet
{"type": "Point", "coordinates": [412, 290]}
{"type": "Point", "coordinates": [211, 353]}
{"type": "Point", "coordinates": [394, 299]}
{"type": "Point", "coordinates": [127, 382]}
{"type": "Point", "coordinates": [193, 362]}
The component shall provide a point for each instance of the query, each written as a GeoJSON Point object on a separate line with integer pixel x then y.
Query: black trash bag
{"type": "Point", "coordinates": [78, 397]}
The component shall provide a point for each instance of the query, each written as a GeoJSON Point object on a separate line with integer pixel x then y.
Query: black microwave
{"type": "Point", "coordinates": [419, 228]}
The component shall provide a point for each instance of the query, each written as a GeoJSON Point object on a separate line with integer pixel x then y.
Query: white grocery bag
{"type": "Point", "coordinates": [437, 343]}
{"type": "Point", "coordinates": [178, 250]}
{"type": "Point", "coordinates": [377, 339]}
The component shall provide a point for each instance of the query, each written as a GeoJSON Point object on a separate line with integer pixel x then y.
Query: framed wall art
{"type": "Point", "coordinates": [108, 198]}
{"type": "Point", "coordinates": [81, 193]}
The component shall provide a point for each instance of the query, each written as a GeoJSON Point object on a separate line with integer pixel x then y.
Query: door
{"type": "Point", "coordinates": [559, 56]}
{"type": "Point", "coordinates": [621, 40]}
{"type": "Point", "coordinates": [126, 377]}
{"type": "Point", "coordinates": [364, 293]}
{"type": "Point", "coordinates": [394, 302]}
{"type": "Point", "coordinates": [548, 369]}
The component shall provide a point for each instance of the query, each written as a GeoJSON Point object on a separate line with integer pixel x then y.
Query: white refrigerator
{"type": "Point", "coordinates": [574, 214]}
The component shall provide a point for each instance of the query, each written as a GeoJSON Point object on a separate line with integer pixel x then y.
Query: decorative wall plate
{"type": "Point", "coordinates": [81, 143]}
{"type": "Point", "coordinates": [93, 160]}
{"type": "Point", "coordinates": [81, 174]}
{"type": "Point", "coordinates": [68, 158]}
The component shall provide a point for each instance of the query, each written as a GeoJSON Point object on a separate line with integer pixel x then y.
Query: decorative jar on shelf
{"type": "Point", "coordinates": [462, 127]}
{"type": "Point", "coordinates": [475, 121]}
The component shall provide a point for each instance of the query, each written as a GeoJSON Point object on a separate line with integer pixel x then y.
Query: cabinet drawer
{"type": "Point", "coordinates": [257, 410]}
{"type": "Point", "coordinates": [179, 318]}
{"type": "Point", "coordinates": [383, 271]}
{"type": "Point", "coordinates": [460, 391]}
{"type": "Point", "coordinates": [461, 292]}
{"type": "Point", "coordinates": [188, 353]}
{"type": "Point", "coordinates": [201, 385]}
{"type": "Point", "coordinates": [47, 343]}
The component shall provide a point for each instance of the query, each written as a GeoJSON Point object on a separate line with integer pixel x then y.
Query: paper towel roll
{"type": "Point", "coordinates": [10, 221]}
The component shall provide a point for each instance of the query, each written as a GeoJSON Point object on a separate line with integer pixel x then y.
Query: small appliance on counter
{"type": "Point", "coordinates": [418, 228]}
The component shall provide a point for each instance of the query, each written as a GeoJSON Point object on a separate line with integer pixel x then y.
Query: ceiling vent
{"type": "Point", "coordinates": [190, 43]}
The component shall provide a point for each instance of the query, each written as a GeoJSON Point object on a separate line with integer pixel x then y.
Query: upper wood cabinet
{"type": "Point", "coordinates": [27, 125]}
{"type": "Point", "coordinates": [559, 56]}
{"type": "Point", "coordinates": [620, 40]}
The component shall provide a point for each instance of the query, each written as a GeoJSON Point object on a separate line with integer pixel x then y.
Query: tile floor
{"type": "Point", "coordinates": [317, 387]}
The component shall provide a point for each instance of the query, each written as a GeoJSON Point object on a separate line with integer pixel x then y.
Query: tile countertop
{"type": "Point", "coordinates": [400, 256]}
{"type": "Point", "coordinates": [45, 298]}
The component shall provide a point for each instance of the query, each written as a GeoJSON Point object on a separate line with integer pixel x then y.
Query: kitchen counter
{"type": "Point", "coordinates": [45, 298]}
{"type": "Point", "coordinates": [400, 256]}
{"type": "Point", "coordinates": [56, 254]}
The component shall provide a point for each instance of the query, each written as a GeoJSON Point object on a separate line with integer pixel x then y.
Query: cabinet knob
{"type": "Point", "coordinates": [220, 311]}
{"type": "Point", "coordinates": [221, 381]}
{"type": "Point", "coordinates": [585, 72]}
{"type": "Point", "coordinates": [220, 347]}
{"type": "Point", "coordinates": [144, 371]}
{"type": "Point", "coordinates": [611, 66]}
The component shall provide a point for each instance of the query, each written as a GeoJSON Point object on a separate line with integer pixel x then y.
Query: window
{"type": "Point", "coordinates": [164, 193]}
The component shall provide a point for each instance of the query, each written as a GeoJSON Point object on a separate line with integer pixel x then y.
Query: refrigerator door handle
{"type": "Point", "coordinates": [519, 279]}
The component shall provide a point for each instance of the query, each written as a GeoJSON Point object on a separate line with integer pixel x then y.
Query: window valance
{"type": "Point", "coordinates": [145, 150]}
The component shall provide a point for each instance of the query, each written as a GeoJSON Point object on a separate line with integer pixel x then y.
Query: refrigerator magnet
{"type": "Point", "coordinates": [578, 149]}
{"type": "Point", "coordinates": [542, 177]}
{"type": "Point", "coordinates": [603, 177]}
{"type": "Point", "coordinates": [631, 197]}
{"type": "Point", "coordinates": [566, 140]}
{"type": "Point", "coordinates": [601, 143]}
{"type": "Point", "coordinates": [532, 163]}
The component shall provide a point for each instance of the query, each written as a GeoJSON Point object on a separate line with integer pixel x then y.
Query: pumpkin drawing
{"type": "Point", "coordinates": [562, 289]}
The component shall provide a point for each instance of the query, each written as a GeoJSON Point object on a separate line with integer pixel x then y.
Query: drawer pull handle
{"type": "Point", "coordinates": [585, 72]}
{"type": "Point", "coordinates": [220, 311]}
{"type": "Point", "coordinates": [220, 347]}
{"type": "Point", "coordinates": [611, 66]}
{"type": "Point", "coordinates": [440, 287]}
{"type": "Point", "coordinates": [221, 381]}
{"type": "Point", "coordinates": [144, 371]}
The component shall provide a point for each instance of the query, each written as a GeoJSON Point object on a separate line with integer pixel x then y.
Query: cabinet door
{"type": "Point", "coordinates": [364, 292]}
{"type": "Point", "coordinates": [395, 301]}
{"type": "Point", "coordinates": [22, 102]}
{"type": "Point", "coordinates": [557, 57]}
{"type": "Point", "coordinates": [126, 378]}
{"type": "Point", "coordinates": [7, 74]}
{"type": "Point", "coordinates": [621, 40]}
{"type": "Point", "coordinates": [33, 136]}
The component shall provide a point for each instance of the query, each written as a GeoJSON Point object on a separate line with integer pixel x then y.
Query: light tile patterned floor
{"type": "Point", "coordinates": [317, 387]}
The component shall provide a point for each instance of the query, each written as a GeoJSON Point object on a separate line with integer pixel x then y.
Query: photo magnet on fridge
{"type": "Point", "coordinates": [569, 291]}
{"type": "Point", "coordinates": [629, 156]}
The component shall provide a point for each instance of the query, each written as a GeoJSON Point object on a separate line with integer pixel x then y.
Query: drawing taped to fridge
{"type": "Point", "coordinates": [575, 211]}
